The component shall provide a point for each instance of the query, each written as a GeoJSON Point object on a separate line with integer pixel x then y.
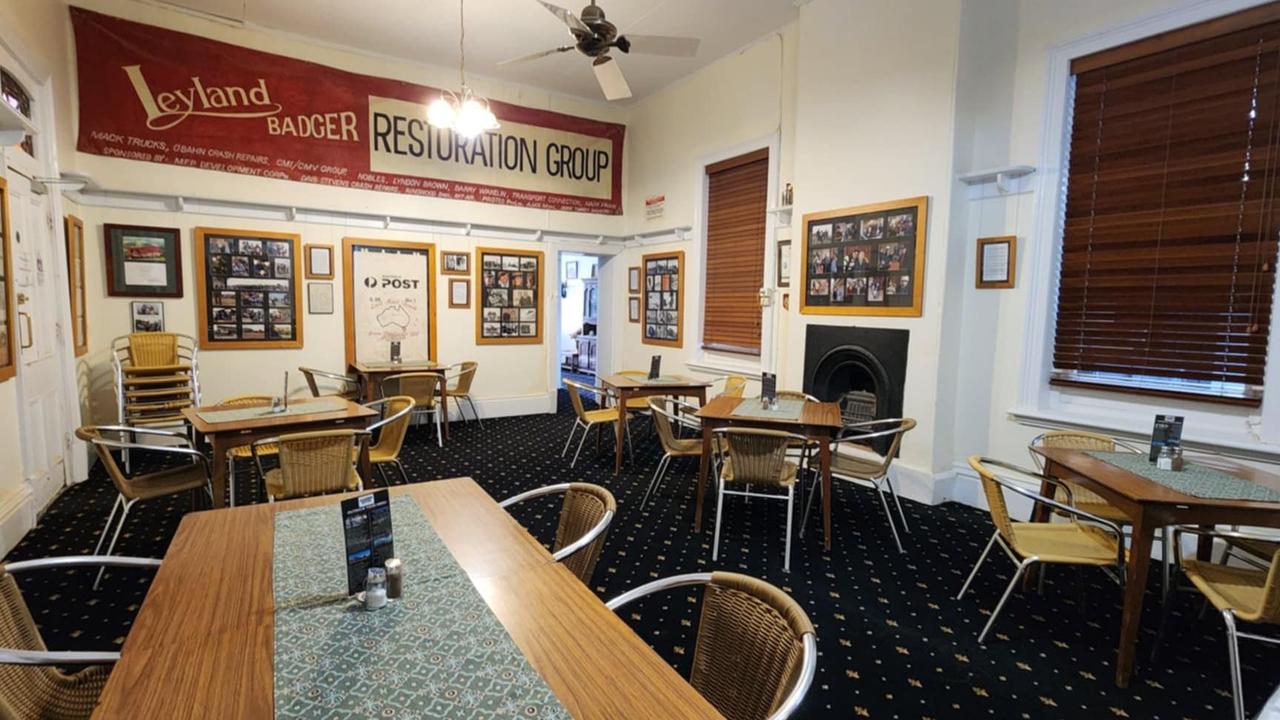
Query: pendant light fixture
{"type": "Point", "coordinates": [462, 112]}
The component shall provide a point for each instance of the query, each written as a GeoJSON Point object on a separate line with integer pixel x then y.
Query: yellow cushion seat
{"type": "Point", "coordinates": [1067, 543]}
{"type": "Point", "coordinates": [1241, 589]}
{"type": "Point", "coordinates": [601, 415]}
{"type": "Point", "coordinates": [274, 481]}
{"type": "Point", "coordinates": [245, 452]}
{"type": "Point", "coordinates": [786, 476]}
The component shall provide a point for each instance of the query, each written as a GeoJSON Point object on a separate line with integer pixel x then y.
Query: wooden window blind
{"type": "Point", "coordinates": [737, 194]}
{"type": "Point", "coordinates": [1169, 231]}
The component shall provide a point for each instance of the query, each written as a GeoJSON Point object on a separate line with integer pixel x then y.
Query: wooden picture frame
{"type": "Point", "coordinates": [782, 264]}
{"type": "Point", "coordinates": [146, 316]}
{"type": "Point", "coordinates": [997, 263]}
{"type": "Point", "coordinates": [455, 263]}
{"type": "Point", "coordinates": [128, 253]}
{"type": "Point", "coordinates": [571, 270]}
{"type": "Point", "coordinates": [319, 298]}
{"type": "Point", "coordinates": [388, 282]}
{"type": "Point", "coordinates": [662, 319]}
{"type": "Point", "coordinates": [459, 285]}
{"type": "Point", "coordinates": [875, 252]}
{"type": "Point", "coordinates": [506, 318]}
{"type": "Point", "coordinates": [319, 261]}
{"type": "Point", "coordinates": [8, 347]}
{"type": "Point", "coordinates": [73, 229]}
{"type": "Point", "coordinates": [633, 309]}
{"type": "Point", "coordinates": [239, 272]}
{"type": "Point", "coordinates": [633, 280]}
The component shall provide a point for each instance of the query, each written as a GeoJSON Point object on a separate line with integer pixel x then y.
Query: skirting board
{"type": "Point", "coordinates": [503, 407]}
{"type": "Point", "coordinates": [17, 516]}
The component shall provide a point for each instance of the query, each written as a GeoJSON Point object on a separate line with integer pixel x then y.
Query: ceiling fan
{"type": "Point", "coordinates": [594, 36]}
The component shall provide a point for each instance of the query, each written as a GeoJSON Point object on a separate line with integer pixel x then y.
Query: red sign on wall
{"type": "Point", "coordinates": [156, 95]}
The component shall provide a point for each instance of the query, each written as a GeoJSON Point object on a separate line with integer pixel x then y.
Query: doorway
{"type": "Point", "coordinates": [579, 333]}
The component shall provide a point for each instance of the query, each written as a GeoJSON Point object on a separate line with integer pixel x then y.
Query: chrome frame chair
{"type": "Point", "coordinates": [240, 452]}
{"type": "Point", "coordinates": [188, 350]}
{"type": "Point", "coordinates": [603, 396]}
{"type": "Point", "coordinates": [433, 409]}
{"type": "Point", "coordinates": [463, 369]}
{"type": "Point", "coordinates": [1007, 544]}
{"type": "Point", "coordinates": [379, 405]}
{"type": "Point", "coordinates": [722, 445]}
{"type": "Point", "coordinates": [358, 438]}
{"type": "Point", "coordinates": [351, 385]}
{"type": "Point", "coordinates": [809, 641]}
{"type": "Point", "coordinates": [583, 541]}
{"type": "Point", "coordinates": [684, 420]}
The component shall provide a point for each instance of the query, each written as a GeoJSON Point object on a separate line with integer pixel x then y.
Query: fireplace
{"type": "Point", "coordinates": [862, 369]}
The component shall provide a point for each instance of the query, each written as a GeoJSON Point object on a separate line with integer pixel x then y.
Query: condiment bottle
{"type": "Point", "coordinates": [375, 589]}
{"type": "Point", "coordinates": [395, 578]}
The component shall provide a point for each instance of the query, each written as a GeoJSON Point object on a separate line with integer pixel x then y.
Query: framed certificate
{"type": "Point", "coordinates": [143, 261]}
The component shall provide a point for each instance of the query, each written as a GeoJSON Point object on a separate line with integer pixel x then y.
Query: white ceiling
{"type": "Point", "coordinates": [427, 31]}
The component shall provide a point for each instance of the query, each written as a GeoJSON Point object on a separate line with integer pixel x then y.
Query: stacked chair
{"type": "Point", "coordinates": [156, 376]}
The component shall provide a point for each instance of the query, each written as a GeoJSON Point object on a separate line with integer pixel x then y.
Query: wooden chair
{"type": "Point", "coordinates": [394, 425]}
{"type": "Point", "coordinates": [584, 521]}
{"type": "Point", "coordinates": [587, 419]}
{"type": "Point", "coordinates": [311, 463]}
{"type": "Point", "coordinates": [424, 388]}
{"type": "Point", "coordinates": [190, 475]}
{"type": "Point", "coordinates": [458, 387]}
{"type": "Point", "coordinates": [664, 420]}
{"type": "Point", "coordinates": [242, 452]}
{"type": "Point", "coordinates": [1086, 541]}
{"type": "Point", "coordinates": [32, 681]}
{"type": "Point", "coordinates": [756, 651]}
{"type": "Point", "coordinates": [348, 386]}
{"type": "Point", "coordinates": [754, 457]}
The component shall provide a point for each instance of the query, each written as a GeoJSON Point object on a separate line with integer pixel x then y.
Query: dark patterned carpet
{"type": "Point", "coordinates": [894, 642]}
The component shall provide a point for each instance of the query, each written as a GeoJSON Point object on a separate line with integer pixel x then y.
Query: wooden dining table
{"type": "Point", "coordinates": [1150, 506]}
{"type": "Point", "coordinates": [628, 386]}
{"type": "Point", "coordinates": [331, 413]}
{"type": "Point", "coordinates": [202, 645]}
{"type": "Point", "coordinates": [371, 374]}
{"type": "Point", "coordinates": [818, 421]}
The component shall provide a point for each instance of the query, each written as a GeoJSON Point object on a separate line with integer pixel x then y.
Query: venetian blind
{"type": "Point", "coordinates": [1169, 232]}
{"type": "Point", "coordinates": [737, 192]}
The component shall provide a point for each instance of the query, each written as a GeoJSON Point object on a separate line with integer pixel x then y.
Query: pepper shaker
{"type": "Point", "coordinates": [395, 578]}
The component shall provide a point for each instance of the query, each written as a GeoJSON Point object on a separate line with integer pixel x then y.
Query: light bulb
{"type": "Point", "coordinates": [441, 113]}
{"type": "Point", "coordinates": [471, 120]}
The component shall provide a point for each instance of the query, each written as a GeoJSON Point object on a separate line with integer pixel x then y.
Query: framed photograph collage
{"type": "Point", "coordinates": [248, 289]}
{"type": "Point", "coordinates": [509, 293]}
{"type": "Point", "coordinates": [662, 294]}
{"type": "Point", "coordinates": [866, 260]}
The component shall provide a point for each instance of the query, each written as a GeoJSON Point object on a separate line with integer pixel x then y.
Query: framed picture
{"type": "Point", "coordinates": [571, 270]}
{"type": "Point", "coordinates": [142, 261]}
{"type": "Point", "coordinates": [389, 294]}
{"type": "Point", "coordinates": [509, 295]}
{"type": "Point", "coordinates": [74, 229]}
{"type": "Point", "coordinates": [248, 289]}
{"type": "Point", "coordinates": [633, 309]}
{"type": "Point", "coordinates": [319, 262]}
{"type": "Point", "coordinates": [8, 361]}
{"type": "Point", "coordinates": [866, 260]}
{"type": "Point", "coordinates": [455, 263]}
{"type": "Point", "coordinates": [784, 264]}
{"type": "Point", "coordinates": [459, 292]}
{"type": "Point", "coordinates": [320, 298]}
{"type": "Point", "coordinates": [148, 315]}
{"type": "Point", "coordinates": [997, 262]}
{"type": "Point", "coordinates": [633, 280]}
{"type": "Point", "coordinates": [662, 299]}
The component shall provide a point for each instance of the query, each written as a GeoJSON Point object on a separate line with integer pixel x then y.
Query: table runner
{"type": "Point", "coordinates": [665, 380]}
{"type": "Point", "coordinates": [788, 409]}
{"type": "Point", "coordinates": [1192, 479]}
{"type": "Point", "coordinates": [254, 412]}
{"type": "Point", "coordinates": [438, 652]}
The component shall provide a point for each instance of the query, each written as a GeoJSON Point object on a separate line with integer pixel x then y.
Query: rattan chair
{"type": "Point", "coordinates": [458, 386]}
{"type": "Point", "coordinates": [753, 457]}
{"type": "Point", "coordinates": [424, 388]}
{"type": "Point", "coordinates": [394, 425]}
{"type": "Point", "coordinates": [584, 521]}
{"type": "Point", "coordinates": [853, 458]}
{"type": "Point", "coordinates": [664, 420]}
{"type": "Point", "coordinates": [190, 475]}
{"type": "Point", "coordinates": [311, 463]}
{"type": "Point", "coordinates": [756, 651]}
{"type": "Point", "coordinates": [242, 452]}
{"type": "Point", "coordinates": [348, 386]}
{"type": "Point", "coordinates": [1082, 497]}
{"type": "Point", "coordinates": [587, 419]}
{"type": "Point", "coordinates": [33, 683]}
{"type": "Point", "coordinates": [637, 405]}
{"type": "Point", "coordinates": [734, 386]}
{"type": "Point", "coordinates": [1086, 541]}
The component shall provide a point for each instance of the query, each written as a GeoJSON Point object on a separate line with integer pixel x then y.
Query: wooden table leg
{"type": "Point", "coordinates": [703, 463]}
{"type": "Point", "coordinates": [370, 392]}
{"type": "Point", "coordinates": [621, 427]}
{"type": "Point", "coordinates": [824, 459]}
{"type": "Point", "coordinates": [1135, 586]}
{"type": "Point", "coordinates": [219, 470]}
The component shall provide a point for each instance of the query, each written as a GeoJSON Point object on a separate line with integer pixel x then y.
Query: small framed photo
{"type": "Point", "coordinates": [997, 261]}
{"type": "Point", "coordinates": [633, 309]}
{"type": "Point", "coordinates": [143, 261]}
{"type": "Point", "coordinates": [319, 298]}
{"type": "Point", "coordinates": [571, 270]}
{"type": "Point", "coordinates": [633, 280]}
{"type": "Point", "coordinates": [784, 264]}
{"type": "Point", "coordinates": [148, 316]}
{"type": "Point", "coordinates": [319, 263]}
{"type": "Point", "coordinates": [455, 263]}
{"type": "Point", "coordinates": [459, 292]}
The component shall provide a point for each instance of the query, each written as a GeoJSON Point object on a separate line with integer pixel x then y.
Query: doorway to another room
{"type": "Point", "coordinates": [579, 317]}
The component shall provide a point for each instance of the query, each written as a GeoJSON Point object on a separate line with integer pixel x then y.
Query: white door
{"type": "Point", "coordinates": [36, 271]}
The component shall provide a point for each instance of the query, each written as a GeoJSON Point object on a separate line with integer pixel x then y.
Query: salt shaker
{"type": "Point", "coordinates": [395, 578]}
{"type": "Point", "coordinates": [1165, 460]}
{"type": "Point", "coordinates": [375, 589]}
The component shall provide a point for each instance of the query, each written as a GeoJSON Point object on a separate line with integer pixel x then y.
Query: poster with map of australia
{"type": "Point", "coordinates": [390, 299]}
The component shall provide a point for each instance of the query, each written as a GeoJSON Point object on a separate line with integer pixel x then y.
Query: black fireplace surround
{"type": "Point", "coordinates": [842, 362]}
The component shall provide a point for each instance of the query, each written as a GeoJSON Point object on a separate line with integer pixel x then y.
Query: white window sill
{"type": "Point", "coordinates": [724, 366]}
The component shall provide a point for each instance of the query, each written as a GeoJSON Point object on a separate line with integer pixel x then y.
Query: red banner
{"type": "Point", "coordinates": [156, 95]}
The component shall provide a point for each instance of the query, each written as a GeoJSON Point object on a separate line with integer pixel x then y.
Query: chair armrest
{"type": "Point", "coordinates": [195, 455]}
{"type": "Point", "coordinates": [78, 561]}
{"type": "Point", "coordinates": [1226, 534]}
{"type": "Point", "coordinates": [145, 431]}
{"type": "Point", "coordinates": [10, 656]}
{"type": "Point", "coordinates": [1107, 525]}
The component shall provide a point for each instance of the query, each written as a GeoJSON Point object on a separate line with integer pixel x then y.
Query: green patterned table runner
{"type": "Point", "coordinates": [788, 409]}
{"type": "Point", "coordinates": [437, 653]}
{"type": "Point", "coordinates": [1192, 479]}
{"type": "Point", "coordinates": [665, 380]}
{"type": "Point", "coordinates": [296, 407]}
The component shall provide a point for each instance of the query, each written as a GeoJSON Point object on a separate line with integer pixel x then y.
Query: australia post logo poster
{"type": "Point", "coordinates": [156, 95]}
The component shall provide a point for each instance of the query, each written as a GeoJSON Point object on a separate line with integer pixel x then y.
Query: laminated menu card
{"type": "Point", "coordinates": [1167, 431]}
{"type": "Point", "coordinates": [366, 528]}
{"type": "Point", "coordinates": [655, 366]}
{"type": "Point", "coordinates": [768, 387]}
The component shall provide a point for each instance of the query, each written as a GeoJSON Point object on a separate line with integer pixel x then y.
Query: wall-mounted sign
{"type": "Point", "coordinates": [389, 300]}
{"type": "Point", "coordinates": [156, 95]}
{"type": "Point", "coordinates": [654, 207]}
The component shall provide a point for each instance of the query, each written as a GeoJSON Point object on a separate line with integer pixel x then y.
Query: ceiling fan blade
{"type": "Point", "coordinates": [566, 17]}
{"type": "Point", "coordinates": [609, 75]}
{"type": "Point", "coordinates": [661, 45]}
{"type": "Point", "coordinates": [535, 56]}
